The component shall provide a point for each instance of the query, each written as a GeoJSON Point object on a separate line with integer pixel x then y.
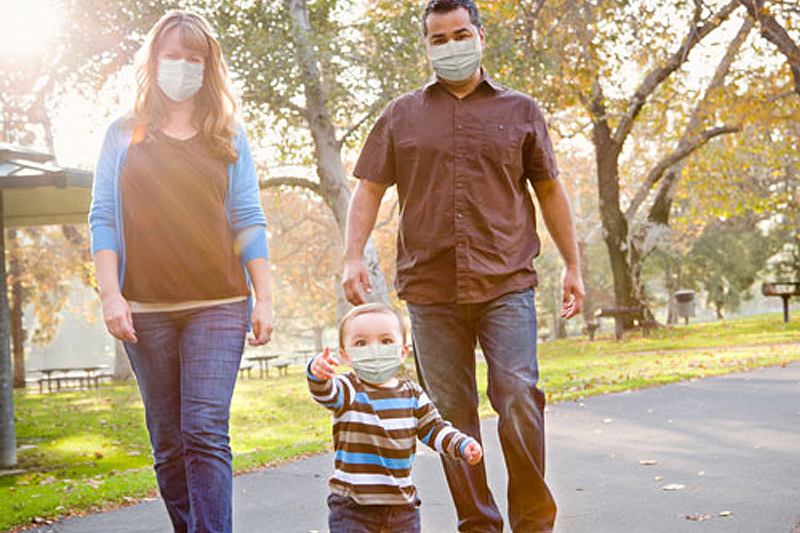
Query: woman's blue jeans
{"type": "Point", "coordinates": [444, 338]}
{"type": "Point", "coordinates": [186, 363]}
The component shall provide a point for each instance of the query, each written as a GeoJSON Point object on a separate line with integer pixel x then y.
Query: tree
{"type": "Point", "coordinates": [309, 67]}
{"type": "Point", "coordinates": [643, 134]}
{"type": "Point", "coordinates": [776, 33]}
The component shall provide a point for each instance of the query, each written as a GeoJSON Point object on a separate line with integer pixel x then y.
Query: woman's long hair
{"type": "Point", "coordinates": [214, 104]}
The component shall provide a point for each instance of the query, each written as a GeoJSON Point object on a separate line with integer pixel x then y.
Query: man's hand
{"type": "Point", "coordinates": [574, 292]}
{"type": "Point", "coordinates": [473, 452]}
{"type": "Point", "coordinates": [355, 274]}
{"type": "Point", "coordinates": [323, 365]}
{"type": "Point", "coordinates": [261, 322]}
{"type": "Point", "coordinates": [118, 319]}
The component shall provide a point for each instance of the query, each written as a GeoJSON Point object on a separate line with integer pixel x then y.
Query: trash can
{"type": "Point", "coordinates": [685, 301]}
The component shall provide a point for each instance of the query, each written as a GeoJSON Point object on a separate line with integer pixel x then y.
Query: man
{"type": "Point", "coordinates": [462, 151]}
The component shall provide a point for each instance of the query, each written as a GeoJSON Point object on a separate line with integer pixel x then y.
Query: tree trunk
{"type": "Point", "coordinates": [615, 226]}
{"type": "Point", "coordinates": [588, 298]}
{"type": "Point", "coordinates": [18, 332]}
{"type": "Point", "coordinates": [122, 365]}
{"type": "Point", "coordinates": [327, 147]}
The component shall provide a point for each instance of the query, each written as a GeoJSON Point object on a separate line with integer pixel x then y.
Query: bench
{"type": "Point", "coordinates": [245, 368]}
{"type": "Point", "coordinates": [639, 315]}
{"type": "Point", "coordinates": [282, 366]}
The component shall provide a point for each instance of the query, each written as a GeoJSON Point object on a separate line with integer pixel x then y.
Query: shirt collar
{"type": "Point", "coordinates": [485, 80]}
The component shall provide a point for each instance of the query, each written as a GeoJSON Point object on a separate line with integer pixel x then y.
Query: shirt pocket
{"type": "Point", "coordinates": [502, 145]}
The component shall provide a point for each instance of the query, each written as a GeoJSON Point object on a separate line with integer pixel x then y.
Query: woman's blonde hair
{"type": "Point", "coordinates": [215, 106]}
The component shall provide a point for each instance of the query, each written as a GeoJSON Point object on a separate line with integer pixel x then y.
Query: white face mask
{"type": "Point", "coordinates": [456, 60]}
{"type": "Point", "coordinates": [180, 79]}
{"type": "Point", "coordinates": [375, 363]}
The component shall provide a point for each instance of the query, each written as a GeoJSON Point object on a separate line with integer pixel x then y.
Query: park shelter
{"type": "Point", "coordinates": [33, 192]}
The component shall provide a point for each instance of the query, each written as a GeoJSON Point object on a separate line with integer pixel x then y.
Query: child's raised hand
{"type": "Point", "coordinates": [322, 367]}
{"type": "Point", "coordinates": [473, 452]}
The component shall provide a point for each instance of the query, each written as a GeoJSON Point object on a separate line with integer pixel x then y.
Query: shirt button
{"type": "Point", "coordinates": [458, 127]}
{"type": "Point", "coordinates": [458, 215]}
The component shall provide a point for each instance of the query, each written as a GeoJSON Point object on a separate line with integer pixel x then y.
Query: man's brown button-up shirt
{"type": "Point", "coordinates": [467, 220]}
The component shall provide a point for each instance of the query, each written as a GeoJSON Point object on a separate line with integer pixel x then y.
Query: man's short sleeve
{"type": "Point", "coordinates": [376, 162]}
{"type": "Point", "coordinates": [540, 159]}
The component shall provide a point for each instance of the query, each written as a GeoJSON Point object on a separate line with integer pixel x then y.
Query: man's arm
{"type": "Point", "coordinates": [557, 216]}
{"type": "Point", "coordinates": [361, 217]}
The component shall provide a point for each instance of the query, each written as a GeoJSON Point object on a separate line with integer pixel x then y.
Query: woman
{"type": "Point", "coordinates": [175, 217]}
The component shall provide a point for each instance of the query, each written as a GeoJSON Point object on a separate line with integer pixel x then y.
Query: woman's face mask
{"type": "Point", "coordinates": [180, 79]}
{"type": "Point", "coordinates": [456, 60]}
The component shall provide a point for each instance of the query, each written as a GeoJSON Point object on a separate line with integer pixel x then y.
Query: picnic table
{"type": "Point", "coordinates": [620, 314]}
{"type": "Point", "coordinates": [65, 376]}
{"type": "Point", "coordinates": [784, 290]}
{"type": "Point", "coordinates": [263, 363]}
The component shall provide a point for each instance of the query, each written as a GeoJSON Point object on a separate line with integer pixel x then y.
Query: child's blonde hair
{"type": "Point", "coordinates": [215, 106]}
{"type": "Point", "coordinates": [364, 309]}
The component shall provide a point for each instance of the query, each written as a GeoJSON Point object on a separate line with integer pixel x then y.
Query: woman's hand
{"type": "Point", "coordinates": [261, 322]}
{"type": "Point", "coordinates": [118, 318]}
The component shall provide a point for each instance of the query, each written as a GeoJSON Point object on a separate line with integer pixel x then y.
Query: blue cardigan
{"type": "Point", "coordinates": [242, 203]}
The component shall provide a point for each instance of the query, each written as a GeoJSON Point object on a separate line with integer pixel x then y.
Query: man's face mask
{"type": "Point", "coordinates": [375, 363]}
{"type": "Point", "coordinates": [180, 79]}
{"type": "Point", "coordinates": [456, 60]}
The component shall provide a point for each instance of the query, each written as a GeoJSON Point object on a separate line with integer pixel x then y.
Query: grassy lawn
{"type": "Point", "coordinates": [88, 450]}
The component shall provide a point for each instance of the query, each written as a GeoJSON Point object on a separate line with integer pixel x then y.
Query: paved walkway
{"type": "Point", "coordinates": [728, 447]}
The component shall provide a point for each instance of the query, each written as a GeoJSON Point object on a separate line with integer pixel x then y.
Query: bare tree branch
{"type": "Point", "coordinates": [389, 217]}
{"type": "Point", "coordinates": [772, 31]}
{"type": "Point", "coordinates": [656, 77]}
{"type": "Point", "coordinates": [690, 142]}
{"type": "Point", "coordinates": [290, 181]}
{"type": "Point", "coordinates": [377, 106]}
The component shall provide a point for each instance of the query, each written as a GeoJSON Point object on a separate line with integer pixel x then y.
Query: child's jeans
{"type": "Point", "coordinates": [347, 516]}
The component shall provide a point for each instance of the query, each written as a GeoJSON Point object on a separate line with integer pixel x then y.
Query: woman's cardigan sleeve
{"type": "Point", "coordinates": [246, 216]}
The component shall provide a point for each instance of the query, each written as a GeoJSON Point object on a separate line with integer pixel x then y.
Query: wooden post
{"type": "Point", "coordinates": [8, 440]}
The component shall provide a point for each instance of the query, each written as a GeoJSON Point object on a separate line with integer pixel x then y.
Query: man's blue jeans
{"type": "Point", "coordinates": [346, 516]}
{"type": "Point", "coordinates": [186, 364]}
{"type": "Point", "coordinates": [444, 338]}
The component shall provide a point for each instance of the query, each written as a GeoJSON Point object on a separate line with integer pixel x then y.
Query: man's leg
{"type": "Point", "coordinates": [506, 329]}
{"type": "Point", "coordinates": [444, 348]}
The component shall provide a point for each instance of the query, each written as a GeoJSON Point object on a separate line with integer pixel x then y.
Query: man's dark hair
{"type": "Point", "coordinates": [445, 6]}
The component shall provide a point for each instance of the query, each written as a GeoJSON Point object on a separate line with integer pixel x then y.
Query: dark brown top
{"type": "Point", "coordinates": [178, 241]}
{"type": "Point", "coordinates": [467, 221]}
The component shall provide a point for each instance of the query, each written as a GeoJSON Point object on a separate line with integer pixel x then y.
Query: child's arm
{"type": "Point", "coordinates": [325, 390]}
{"type": "Point", "coordinates": [437, 433]}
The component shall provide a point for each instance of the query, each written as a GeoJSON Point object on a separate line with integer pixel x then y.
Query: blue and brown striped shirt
{"type": "Point", "coordinates": [374, 436]}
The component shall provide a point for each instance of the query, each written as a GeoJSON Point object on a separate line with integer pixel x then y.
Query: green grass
{"type": "Point", "coordinates": [88, 450]}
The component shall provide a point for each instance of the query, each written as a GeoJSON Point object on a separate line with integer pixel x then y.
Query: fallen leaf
{"type": "Point", "coordinates": [648, 462]}
{"type": "Point", "coordinates": [701, 473]}
{"type": "Point", "coordinates": [725, 513]}
{"type": "Point", "coordinates": [658, 478]}
{"type": "Point", "coordinates": [673, 486]}
{"type": "Point", "coordinates": [698, 517]}
{"type": "Point", "coordinates": [607, 420]}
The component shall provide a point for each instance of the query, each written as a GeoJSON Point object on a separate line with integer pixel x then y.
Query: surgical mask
{"type": "Point", "coordinates": [456, 60]}
{"type": "Point", "coordinates": [375, 363]}
{"type": "Point", "coordinates": [180, 79]}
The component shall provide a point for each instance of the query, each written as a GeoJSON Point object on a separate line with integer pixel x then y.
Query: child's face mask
{"type": "Point", "coordinates": [375, 363]}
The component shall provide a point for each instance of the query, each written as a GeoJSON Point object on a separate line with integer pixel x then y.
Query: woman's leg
{"type": "Point", "coordinates": [156, 363]}
{"type": "Point", "coordinates": [211, 346]}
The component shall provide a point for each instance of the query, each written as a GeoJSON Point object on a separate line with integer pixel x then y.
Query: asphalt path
{"type": "Point", "coordinates": [714, 455]}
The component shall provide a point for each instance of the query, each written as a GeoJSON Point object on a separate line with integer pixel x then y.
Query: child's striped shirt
{"type": "Point", "coordinates": [374, 436]}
